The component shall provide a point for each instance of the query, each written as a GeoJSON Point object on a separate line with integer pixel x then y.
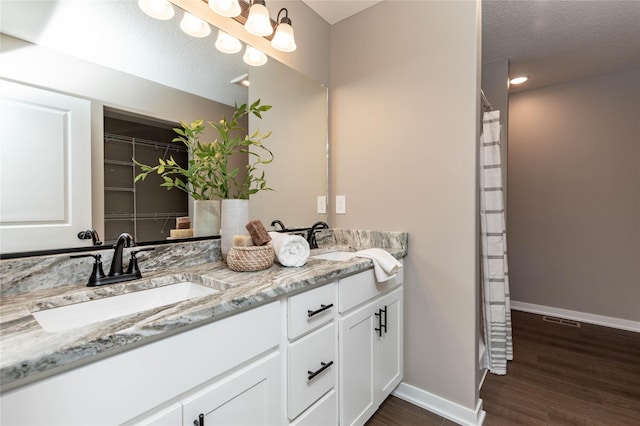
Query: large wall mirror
{"type": "Point", "coordinates": [119, 59]}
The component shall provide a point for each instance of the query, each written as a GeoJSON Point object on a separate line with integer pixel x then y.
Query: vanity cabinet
{"type": "Point", "coordinates": [325, 356]}
{"type": "Point", "coordinates": [312, 357]}
{"type": "Point", "coordinates": [156, 382]}
{"type": "Point", "coordinates": [370, 346]}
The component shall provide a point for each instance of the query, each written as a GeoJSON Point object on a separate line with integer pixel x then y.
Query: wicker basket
{"type": "Point", "coordinates": [247, 259]}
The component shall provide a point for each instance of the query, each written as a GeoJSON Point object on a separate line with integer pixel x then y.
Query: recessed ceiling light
{"type": "Point", "coordinates": [519, 80]}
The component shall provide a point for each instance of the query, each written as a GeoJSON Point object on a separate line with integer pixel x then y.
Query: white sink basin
{"type": "Point", "coordinates": [339, 256]}
{"type": "Point", "coordinates": [84, 313]}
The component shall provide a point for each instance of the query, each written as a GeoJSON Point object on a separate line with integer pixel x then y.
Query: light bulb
{"type": "Point", "coordinates": [283, 39]}
{"type": "Point", "coordinates": [227, 44]}
{"type": "Point", "coordinates": [158, 9]}
{"type": "Point", "coordinates": [194, 26]}
{"type": "Point", "coordinates": [228, 8]}
{"type": "Point", "coordinates": [254, 57]}
{"type": "Point", "coordinates": [258, 22]}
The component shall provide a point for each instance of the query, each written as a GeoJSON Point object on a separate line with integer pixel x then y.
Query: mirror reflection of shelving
{"type": "Point", "coordinates": [144, 209]}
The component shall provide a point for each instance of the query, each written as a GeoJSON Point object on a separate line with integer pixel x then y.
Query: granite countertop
{"type": "Point", "coordinates": [29, 353]}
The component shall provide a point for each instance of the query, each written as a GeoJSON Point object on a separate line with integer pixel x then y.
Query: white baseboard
{"type": "Point", "coordinates": [440, 406]}
{"type": "Point", "coordinates": [612, 322]}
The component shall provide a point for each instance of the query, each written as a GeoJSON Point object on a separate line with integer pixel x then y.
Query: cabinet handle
{"type": "Point", "coordinates": [311, 313]}
{"type": "Point", "coordinates": [379, 328]}
{"type": "Point", "coordinates": [324, 365]}
{"type": "Point", "coordinates": [199, 421]}
{"type": "Point", "coordinates": [384, 325]}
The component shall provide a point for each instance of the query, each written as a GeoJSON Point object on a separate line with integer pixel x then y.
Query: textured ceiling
{"type": "Point", "coordinates": [557, 41]}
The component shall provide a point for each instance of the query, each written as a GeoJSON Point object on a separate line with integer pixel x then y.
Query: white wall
{"type": "Point", "coordinates": [574, 196]}
{"type": "Point", "coordinates": [405, 113]}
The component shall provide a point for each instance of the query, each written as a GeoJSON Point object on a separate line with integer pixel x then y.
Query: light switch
{"type": "Point", "coordinates": [341, 204]}
{"type": "Point", "coordinates": [322, 204]}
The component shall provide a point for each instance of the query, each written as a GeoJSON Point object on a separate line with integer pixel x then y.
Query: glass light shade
{"type": "Point", "coordinates": [283, 38]}
{"type": "Point", "coordinates": [254, 57]}
{"type": "Point", "coordinates": [228, 8]}
{"type": "Point", "coordinates": [227, 44]}
{"type": "Point", "coordinates": [258, 22]}
{"type": "Point", "coordinates": [159, 9]}
{"type": "Point", "coordinates": [193, 26]}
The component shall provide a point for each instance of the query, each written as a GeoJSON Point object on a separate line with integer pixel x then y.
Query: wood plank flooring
{"type": "Point", "coordinates": [560, 375]}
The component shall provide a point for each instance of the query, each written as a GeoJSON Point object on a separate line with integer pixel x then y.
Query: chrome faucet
{"type": "Point", "coordinates": [124, 240]}
{"type": "Point", "coordinates": [311, 234]}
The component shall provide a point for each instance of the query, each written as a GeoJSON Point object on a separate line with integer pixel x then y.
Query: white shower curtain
{"type": "Point", "coordinates": [495, 279]}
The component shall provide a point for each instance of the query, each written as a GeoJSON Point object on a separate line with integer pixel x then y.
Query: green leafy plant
{"type": "Point", "coordinates": [208, 175]}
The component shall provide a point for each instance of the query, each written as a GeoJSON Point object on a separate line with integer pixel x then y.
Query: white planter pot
{"type": "Point", "coordinates": [235, 216]}
{"type": "Point", "coordinates": [206, 218]}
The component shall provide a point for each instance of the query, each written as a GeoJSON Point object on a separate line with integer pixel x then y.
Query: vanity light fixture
{"type": "Point", "coordinates": [283, 39]}
{"type": "Point", "coordinates": [254, 57]}
{"type": "Point", "coordinates": [227, 43]}
{"type": "Point", "coordinates": [159, 9]}
{"type": "Point", "coordinates": [194, 26]}
{"type": "Point", "coordinates": [242, 80]}
{"type": "Point", "coordinates": [518, 80]}
{"type": "Point", "coordinates": [228, 8]}
{"type": "Point", "coordinates": [258, 22]}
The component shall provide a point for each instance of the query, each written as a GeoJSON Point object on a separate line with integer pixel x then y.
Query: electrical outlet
{"type": "Point", "coordinates": [341, 204]}
{"type": "Point", "coordinates": [322, 204]}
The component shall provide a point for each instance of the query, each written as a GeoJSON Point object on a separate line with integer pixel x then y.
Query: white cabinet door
{"type": "Point", "coordinates": [322, 413]}
{"type": "Point", "coordinates": [251, 396]}
{"type": "Point", "coordinates": [311, 369]}
{"type": "Point", "coordinates": [390, 343]}
{"type": "Point", "coordinates": [45, 169]}
{"type": "Point", "coordinates": [357, 345]}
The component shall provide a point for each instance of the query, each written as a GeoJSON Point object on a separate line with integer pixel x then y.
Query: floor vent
{"type": "Point", "coordinates": [561, 321]}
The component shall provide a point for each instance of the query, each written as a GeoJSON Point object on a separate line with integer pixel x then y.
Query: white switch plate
{"type": "Point", "coordinates": [341, 204]}
{"type": "Point", "coordinates": [322, 204]}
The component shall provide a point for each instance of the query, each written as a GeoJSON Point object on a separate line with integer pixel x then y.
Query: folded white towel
{"type": "Point", "coordinates": [385, 266]}
{"type": "Point", "coordinates": [290, 250]}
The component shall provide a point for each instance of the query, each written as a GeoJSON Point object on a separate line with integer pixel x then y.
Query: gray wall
{"type": "Point", "coordinates": [574, 196]}
{"type": "Point", "coordinates": [404, 113]}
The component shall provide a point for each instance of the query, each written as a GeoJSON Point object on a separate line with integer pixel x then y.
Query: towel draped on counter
{"type": "Point", "coordinates": [385, 265]}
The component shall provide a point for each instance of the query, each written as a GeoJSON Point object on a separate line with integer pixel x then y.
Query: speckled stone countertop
{"type": "Point", "coordinates": [29, 353]}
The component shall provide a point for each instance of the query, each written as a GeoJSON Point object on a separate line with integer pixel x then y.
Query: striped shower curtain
{"type": "Point", "coordinates": [495, 279]}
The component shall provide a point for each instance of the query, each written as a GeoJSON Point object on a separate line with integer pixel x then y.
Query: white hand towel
{"type": "Point", "coordinates": [290, 250]}
{"type": "Point", "coordinates": [385, 266]}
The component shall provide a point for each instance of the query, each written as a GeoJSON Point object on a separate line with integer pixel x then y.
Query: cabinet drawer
{"type": "Point", "coordinates": [322, 413]}
{"type": "Point", "coordinates": [359, 288]}
{"type": "Point", "coordinates": [309, 310]}
{"type": "Point", "coordinates": [307, 356]}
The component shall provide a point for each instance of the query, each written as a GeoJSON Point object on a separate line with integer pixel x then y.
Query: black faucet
{"type": "Point", "coordinates": [278, 222]}
{"type": "Point", "coordinates": [311, 234]}
{"type": "Point", "coordinates": [124, 240]}
{"type": "Point", "coordinates": [116, 272]}
{"type": "Point", "coordinates": [90, 234]}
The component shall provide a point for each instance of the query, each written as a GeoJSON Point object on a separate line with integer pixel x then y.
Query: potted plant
{"type": "Point", "coordinates": [209, 175]}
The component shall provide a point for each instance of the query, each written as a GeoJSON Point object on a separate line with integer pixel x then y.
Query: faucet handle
{"type": "Point", "coordinates": [97, 272]}
{"type": "Point", "coordinates": [133, 262]}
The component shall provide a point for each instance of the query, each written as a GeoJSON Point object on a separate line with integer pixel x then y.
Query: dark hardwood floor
{"type": "Point", "coordinates": [560, 375]}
